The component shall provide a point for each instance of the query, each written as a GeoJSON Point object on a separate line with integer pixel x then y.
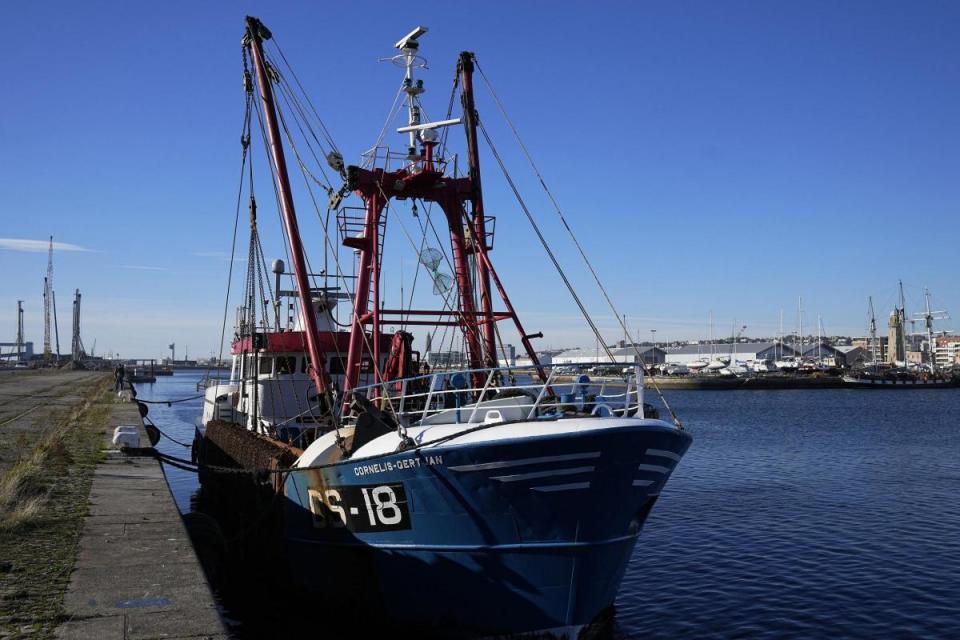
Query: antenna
{"type": "Point", "coordinates": [408, 58]}
{"type": "Point", "coordinates": [408, 46]}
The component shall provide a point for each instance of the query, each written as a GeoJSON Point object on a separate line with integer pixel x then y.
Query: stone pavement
{"type": "Point", "coordinates": [137, 576]}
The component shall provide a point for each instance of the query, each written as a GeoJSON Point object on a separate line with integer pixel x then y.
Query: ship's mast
{"type": "Point", "coordinates": [780, 335]}
{"type": "Point", "coordinates": [712, 355]}
{"type": "Point", "coordinates": [800, 326]}
{"type": "Point", "coordinates": [819, 339]}
{"type": "Point", "coordinates": [465, 67]}
{"type": "Point", "coordinates": [903, 323]}
{"type": "Point", "coordinates": [423, 179]}
{"type": "Point", "coordinates": [873, 333]}
{"type": "Point", "coordinates": [255, 35]}
{"type": "Point", "coordinates": [928, 317]}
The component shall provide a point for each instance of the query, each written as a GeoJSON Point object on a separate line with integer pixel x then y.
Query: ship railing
{"type": "Point", "coordinates": [504, 394]}
{"type": "Point", "coordinates": [383, 157]}
{"type": "Point", "coordinates": [205, 383]}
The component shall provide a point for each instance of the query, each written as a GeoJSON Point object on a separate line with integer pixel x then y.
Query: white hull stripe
{"type": "Point", "coordinates": [653, 467]}
{"type": "Point", "coordinates": [543, 474]}
{"type": "Point", "coordinates": [563, 487]}
{"type": "Point", "coordinates": [663, 453]}
{"type": "Point", "coordinates": [643, 483]}
{"type": "Point", "coordinates": [519, 463]}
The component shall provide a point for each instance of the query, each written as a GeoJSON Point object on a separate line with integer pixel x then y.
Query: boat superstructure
{"type": "Point", "coordinates": [508, 499]}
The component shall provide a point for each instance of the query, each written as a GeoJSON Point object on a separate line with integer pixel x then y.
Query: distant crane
{"type": "Point", "coordinates": [19, 330]}
{"type": "Point", "coordinates": [173, 352]}
{"type": "Point", "coordinates": [48, 304]}
{"type": "Point", "coordinates": [56, 325]}
{"type": "Point", "coordinates": [77, 346]}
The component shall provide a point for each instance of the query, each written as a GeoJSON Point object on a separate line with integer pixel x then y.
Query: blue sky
{"type": "Point", "coordinates": [710, 155]}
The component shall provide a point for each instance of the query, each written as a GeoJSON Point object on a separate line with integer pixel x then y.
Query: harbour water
{"type": "Point", "coordinates": [795, 514]}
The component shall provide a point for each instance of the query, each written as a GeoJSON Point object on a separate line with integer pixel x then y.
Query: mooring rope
{"type": "Point", "coordinates": [170, 402]}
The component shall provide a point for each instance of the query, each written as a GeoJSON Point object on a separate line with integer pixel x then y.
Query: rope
{"type": "Point", "coordinates": [170, 402]}
{"type": "Point", "coordinates": [168, 437]}
{"type": "Point", "coordinates": [563, 219]}
{"type": "Point", "coordinates": [546, 246]}
{"type": "Point", "coordinates": [245, 142]}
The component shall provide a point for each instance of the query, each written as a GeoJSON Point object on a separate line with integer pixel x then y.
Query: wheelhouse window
{"type": "Point", "coordinates": [286, 365]}
{"type": "Point", "coordinates": [265, 365]}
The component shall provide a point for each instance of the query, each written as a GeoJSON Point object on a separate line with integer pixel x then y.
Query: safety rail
{"type": "Point", "coordinates": [506, 394]}
{"type": "Point", "coordinates": [205, 383]}
{"type": "Point", "coordinates": [382, 157]}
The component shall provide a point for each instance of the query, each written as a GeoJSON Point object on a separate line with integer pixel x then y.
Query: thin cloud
{"type": "Point", "coordinates": [219, 255]}
{"type": "Point", "coordinates": [38, 246]}
{"type": "Point", "coordinates": [141, 267]}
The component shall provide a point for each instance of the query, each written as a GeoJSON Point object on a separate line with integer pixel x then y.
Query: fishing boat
{"type": "Point", "coordinates": [481, 498]}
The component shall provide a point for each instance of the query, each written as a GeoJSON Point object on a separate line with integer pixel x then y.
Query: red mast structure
{"type": "Point", "coordinates": [256, 33]}
{"type": "Point", "coordinates": [421, 179]}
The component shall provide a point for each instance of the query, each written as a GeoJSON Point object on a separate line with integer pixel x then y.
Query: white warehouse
{"type": "Point", "coordinates": [621, 355]}
{"type": "Point", "coordinates": [742, 351]}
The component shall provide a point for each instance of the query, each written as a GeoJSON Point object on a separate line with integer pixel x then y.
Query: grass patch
{"type": "Point", "coordinates": [43, 500]}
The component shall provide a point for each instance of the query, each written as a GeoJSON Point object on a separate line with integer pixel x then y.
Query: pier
{"type": "Point", "coordinates": [91, 544]}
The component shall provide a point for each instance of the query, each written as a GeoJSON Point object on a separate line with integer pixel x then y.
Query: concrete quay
{"type": "Point", "coordinates": [136, 576]}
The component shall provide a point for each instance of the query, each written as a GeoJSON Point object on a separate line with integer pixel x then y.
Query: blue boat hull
{"type": "Point", "coordinates": [498, 537]}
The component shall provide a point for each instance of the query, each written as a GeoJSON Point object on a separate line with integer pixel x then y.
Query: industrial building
{"type": "Point", "coordinates": [742, 351]}
{"type": "Point", "coordinates": [8, 351]}
{"type": "Point", "coordinates": [621, 355]}
{"type": "Point", "coordinates": [830, 355]}
{"type": "Point", "coordinates": [852, 356]}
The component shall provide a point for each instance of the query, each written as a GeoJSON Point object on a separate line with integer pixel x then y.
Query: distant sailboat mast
{"type": "Point", "coordinates": [710, 337]}
{"type": "Point", "coordinates": [800, 324]}
{"type": "Point", "coordinates": [780, 336]}
{"type": "Point", "coordinates": [819, 338]}
{"type": "Point", "coordinates": [903, 323]}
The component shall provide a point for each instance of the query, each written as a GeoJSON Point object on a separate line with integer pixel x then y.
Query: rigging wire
{"type": "Point", "coordinates": [394, 108]}
{"type": "Point", "coordinates": [326, 133]}
{"type": "Point", "coordinates": [245, 142]}
{"type": "Point", "coordinates": [286, 244]}
{"type": "Point", "coordinates": [546, 246]}
{"type": "Point", "coordinates": [556, 205]}
{"type": "Point", "coordinates": [376, 365]}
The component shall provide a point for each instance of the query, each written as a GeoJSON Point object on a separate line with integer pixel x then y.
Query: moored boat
{"type": "Point", "coordinates": [483, 498]}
